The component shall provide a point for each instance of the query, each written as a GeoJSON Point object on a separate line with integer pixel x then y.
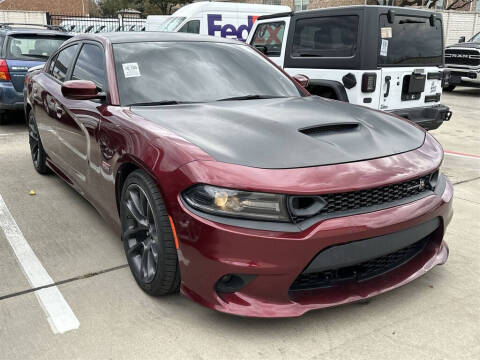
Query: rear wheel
{"type": "Point", "coordinates": [449, 88]}
{"type": "Point", "coordinates": [39, 158]}
{"type": "Point", "coordinates": [147, 236]}
{"type": "Point", "coordinates": [3, 119]}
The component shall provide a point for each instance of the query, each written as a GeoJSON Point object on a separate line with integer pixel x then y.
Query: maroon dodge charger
{"type": "Point", "coordinates": [229, 182]}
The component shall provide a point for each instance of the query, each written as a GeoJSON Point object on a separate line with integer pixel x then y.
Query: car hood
{"type": "Point", "coordinates": [287, 132]}
{"type": "Point", "coordinates": [473, 45]}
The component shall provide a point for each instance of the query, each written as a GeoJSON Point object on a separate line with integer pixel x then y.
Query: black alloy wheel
{"type": "Point", "coordinates": [39, 158]}
{"type": "Point", "coordinates": [147, 236]}
{"type": "Point", "coordinates": [141, 235]}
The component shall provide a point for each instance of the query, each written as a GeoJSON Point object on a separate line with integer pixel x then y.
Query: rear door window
{"type": "Point", "coordinates": [64, 62]}
{"type": "Point", "coordinates": [90, 65]}
{"type": "Point", "coordinates": [268, 38]}
{"type": "Point", "coordinates": [192, 27]}
{"type": "Point", "coordinates": [32, 47]}
{"type": "Point", "coordinates": [332, 36]}
{"type": "Point", "coordinates": [410, 40]}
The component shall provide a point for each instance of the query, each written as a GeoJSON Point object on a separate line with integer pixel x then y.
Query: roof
{"type": "Point", "coordinates": [31, 30]}
{"type": "Point", "coordinates": [398, 9]}
{"type": "Point", "coordinates": [133, 37]}
{"type": "Point", "coordinates": [202, 6]}
{"type": "Point", "coordinates": [12, 28]}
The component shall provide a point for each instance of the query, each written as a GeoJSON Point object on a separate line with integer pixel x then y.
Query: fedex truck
{"type": "Point", "coordinates": [229, 20]}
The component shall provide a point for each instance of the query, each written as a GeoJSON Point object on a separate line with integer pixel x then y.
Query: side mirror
{"type": "Point", "coordinates": [462, 39]}
{"type": "Point", "coordinates": [302, 79]}
{"type": "Point", "coordinates": [81, 90]}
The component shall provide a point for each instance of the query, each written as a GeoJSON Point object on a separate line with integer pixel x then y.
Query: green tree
{"type": "Point", "coordinates": [166, 6]}
{"type": "Point", "coordinates": [111, 7]}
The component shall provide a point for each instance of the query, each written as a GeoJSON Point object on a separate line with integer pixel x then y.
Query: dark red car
{"type": "Point", "coordinates": [228, 181]}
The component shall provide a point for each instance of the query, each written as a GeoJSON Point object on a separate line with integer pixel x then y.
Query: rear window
{"type": "Point", "coordinates": [410, 40]}
{"type": "Point", "coordinates": [332, 36]}
{"type": "Point", "coordinates": [32, 47]}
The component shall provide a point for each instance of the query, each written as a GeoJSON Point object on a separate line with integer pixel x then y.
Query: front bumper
{"type": "Point", "coordinates": [466, 76]}
{"type": "Point", "coordinates": [210, 250]}
{"type": "Point", "coordinates": [428, 117]}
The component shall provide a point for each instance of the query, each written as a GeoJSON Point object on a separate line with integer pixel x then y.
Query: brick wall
{"type": "Point", "coordinates": [318, 4]}
{"type": "Point", "coordinates": [456, 24]}
{"type": "Point", "coordinates": [52, 6]}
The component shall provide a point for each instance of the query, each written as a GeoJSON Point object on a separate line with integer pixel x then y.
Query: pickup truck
{"type": "Point", "coordinates": [463, 62]}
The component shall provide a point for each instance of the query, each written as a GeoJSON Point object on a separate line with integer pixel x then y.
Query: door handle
{"type": "Point", "coordinates": [387, 80]}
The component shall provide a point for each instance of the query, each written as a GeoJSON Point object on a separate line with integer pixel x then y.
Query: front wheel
{"type": "Point", "coordinates": [147, 236]}
{"type": "Point", "coordinates": [39, 157]}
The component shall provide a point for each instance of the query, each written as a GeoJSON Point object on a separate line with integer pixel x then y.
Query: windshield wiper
{"type": "Point", "coordinates": [35, 56]}
{"type": "Point", "coordinates": [410, 21]}
{"type": "Point", "coordinates": [251, 97]}
{"type": "Point", "coordinates": [156, 103]}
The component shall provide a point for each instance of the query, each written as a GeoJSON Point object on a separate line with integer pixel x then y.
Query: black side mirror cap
{"type": "Point", "coordinates": [462, 39]}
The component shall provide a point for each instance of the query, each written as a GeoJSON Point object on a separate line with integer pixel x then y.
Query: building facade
{"type": "Point", "coordinates": [79, 7]}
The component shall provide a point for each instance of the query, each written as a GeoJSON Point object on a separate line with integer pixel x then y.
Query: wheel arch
{"type": "Point", "coordinates": [26, 113]}
{"type": "Point", "coordinates": [126, 167]}
{"type": "Point", "coordinates": [321, 87]}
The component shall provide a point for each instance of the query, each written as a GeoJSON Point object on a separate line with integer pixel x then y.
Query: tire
{"type": "Point", "coordinates": [449, 88]}
{"type": "Point", "coordinates": [39, 157]}
{"type": "Point", "coordinates": [3, 119]}
{"type": "Point", "coordinates": [147, 236]}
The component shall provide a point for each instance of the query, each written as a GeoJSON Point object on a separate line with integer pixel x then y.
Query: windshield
{"type": "Point", "coordinates": [170, 24]}
{"type": "Point", "coordinates": [476, 38]}
{"type": "Point", "coordinates": [410, 40]}
{"type": "Point", "coordinates": [153, 72]}
{"type": "Point", "coordinates": [33, 47]}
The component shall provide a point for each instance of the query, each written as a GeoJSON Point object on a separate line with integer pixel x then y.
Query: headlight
{"type": "Point", "coordinates": [236, 203]}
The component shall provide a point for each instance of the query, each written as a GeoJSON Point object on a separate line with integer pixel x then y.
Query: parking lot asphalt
{"type": "Point", "coordinates": [435, 317]}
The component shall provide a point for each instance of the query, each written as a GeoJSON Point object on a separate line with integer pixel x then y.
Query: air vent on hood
{"type": "Point", "coordinates": [328, 128]}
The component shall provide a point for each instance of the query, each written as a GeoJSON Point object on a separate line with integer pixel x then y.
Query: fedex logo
{"type": "Point", "coordinates": [228, 30]}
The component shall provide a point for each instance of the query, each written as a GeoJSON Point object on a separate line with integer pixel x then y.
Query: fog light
{"type": "Point", "coordinates": [231, 283]}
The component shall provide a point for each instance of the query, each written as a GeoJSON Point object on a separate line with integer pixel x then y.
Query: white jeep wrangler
{"type": "Point", "coordinates": [386, 58]}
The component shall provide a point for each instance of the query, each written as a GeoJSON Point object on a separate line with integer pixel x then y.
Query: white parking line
{"type": "Point", "coordinates": [59, 314]}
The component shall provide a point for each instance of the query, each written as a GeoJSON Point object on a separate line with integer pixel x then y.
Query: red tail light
{"type": "Point", "coordinates": [369, 82]}
{"type": "Point", "coordinates": [4, 74]}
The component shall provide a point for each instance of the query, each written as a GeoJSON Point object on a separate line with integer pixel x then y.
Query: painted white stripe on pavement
{"type": "Point", "coordinates": [59, 314]}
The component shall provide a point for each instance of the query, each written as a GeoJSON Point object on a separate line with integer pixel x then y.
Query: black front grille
{"type": "Point", "coordinates": [380, 196]}
{"type": "Point", "coordinates": [462, 57]}
{"type": "Point", "coordinates": [360, 272]}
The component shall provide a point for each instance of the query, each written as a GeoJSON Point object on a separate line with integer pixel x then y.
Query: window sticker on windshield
{"type": "Point", "coordinates": [386, 32]}
{"type": "Point", "coordinates": [131, 70]}
{"type": "Point", "coordinates": [384, 48]}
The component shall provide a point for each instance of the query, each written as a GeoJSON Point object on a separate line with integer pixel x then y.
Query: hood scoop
{"type": "Point", "coordinates": [328, 129]}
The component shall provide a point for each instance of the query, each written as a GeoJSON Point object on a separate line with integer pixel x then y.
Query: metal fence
{"type": "Point", "coordinates": [85, 24]}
